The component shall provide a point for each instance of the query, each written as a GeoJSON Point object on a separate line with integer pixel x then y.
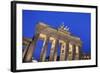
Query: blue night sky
{"type": "Point", "coordinates": [79, 24]}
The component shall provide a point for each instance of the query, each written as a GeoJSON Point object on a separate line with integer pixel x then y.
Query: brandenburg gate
{"type": "Point", "coordinates": [70, 45]}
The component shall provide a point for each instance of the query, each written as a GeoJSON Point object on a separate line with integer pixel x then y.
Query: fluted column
{"type": "Point", "coordinates": [67, 49]}
{"type": "Point", "coordinates": [77, 52]}
{"type": "Point", "coordinates": [44, 48]}
{"type": "Point", "coordinates": [74, 52]}
{"type": "Point", "coordinates": [63, 51]}
{"type": "Point", "coordinates": [55, 52]}
{"type": "Point", "coordinates": [70, 52]}
{"type": "Point", "coordinates": [53, 40]}
{"type": "Point", "coordinates": [28, 52]}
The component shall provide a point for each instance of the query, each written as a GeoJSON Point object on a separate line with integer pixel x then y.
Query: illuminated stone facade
{"type": "Point", "coordinates": [70, 45]}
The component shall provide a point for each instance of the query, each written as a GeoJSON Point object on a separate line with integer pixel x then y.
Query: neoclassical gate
{"type": "Point", "coordinates": [70, 45]}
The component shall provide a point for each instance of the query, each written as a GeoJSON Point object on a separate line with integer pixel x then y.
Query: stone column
{"type": "Point", "coordinates": [77, 52]}
{"type": "Point", "coordinates": [44, 49]}
{"type": "Point", "coordinates": [53, 40]}
{"type": "Point", "coordinates": [28, 52]}
{"type": "Point", "coordinates": [67, 49]}
{"type": "Point", "coordinates": [74, 52]}
{"type": "Point", "coordinates": [63, 51]}
{"type": "Point", "coordinates": [70, 52]}
{"type": "Point", "coordinates": [55, 52]}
